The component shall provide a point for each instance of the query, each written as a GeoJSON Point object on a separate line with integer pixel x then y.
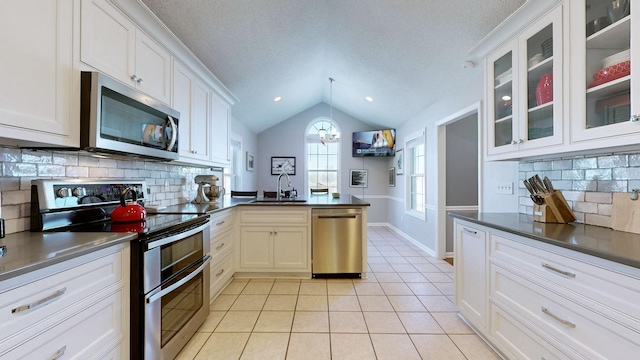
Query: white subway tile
{"type": "Point", "coordinates": [585, 207]}
{"type": "Point", "coordinates": [604, 209]}
{"type": "Point", "coordinates": [598, 220]}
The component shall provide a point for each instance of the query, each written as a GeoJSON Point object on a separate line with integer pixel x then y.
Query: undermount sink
{"type": "Point", "coordinates": [279, 201]}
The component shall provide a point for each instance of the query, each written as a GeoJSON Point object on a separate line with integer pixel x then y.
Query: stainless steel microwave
{"type": "Point", "coordinates": [117, 119]}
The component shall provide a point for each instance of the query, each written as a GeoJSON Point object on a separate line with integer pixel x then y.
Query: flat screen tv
{"type": "Point", "coordinates": [374, 143]}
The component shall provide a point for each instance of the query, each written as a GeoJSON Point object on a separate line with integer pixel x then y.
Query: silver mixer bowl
{"type": "Point", "coordinates": [214, 192]}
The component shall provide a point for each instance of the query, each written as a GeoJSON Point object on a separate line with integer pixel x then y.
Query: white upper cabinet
{"type": "Point", "coordinates": [220, 121]}
{"type": "Point", "coordinates": [525, 90]}
{"type": "Point", "coordinates": [606, 93]}
{"type": "Point", "coordinates": [40, 89]}
{"type": "Point", "coordinates": [113, 44]}
{"type": "Point", "coordinates": [191, 99]}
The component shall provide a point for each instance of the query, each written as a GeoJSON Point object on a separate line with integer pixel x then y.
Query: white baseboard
{"type": "Point", "coordinates": [429, 251]}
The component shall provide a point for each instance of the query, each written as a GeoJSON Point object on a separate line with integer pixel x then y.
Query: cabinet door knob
{"type": "Point", "coordinates": [520, 141]}
{"type": "Point", "coordinates": [513, 142]}
{"type": "Point", "coordinates": [194, 151]}
{"type": "Point", "coordinates": [634, 118]}
{"type": "Point", "coordinates": [135, 78]}
{"type": "Point", "coordinates": [139, 81]}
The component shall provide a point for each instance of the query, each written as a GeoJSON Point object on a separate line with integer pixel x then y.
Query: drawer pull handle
{"type": "Point", "coordinates": [220, 246]}
{"type": "Point", "coordinates": [40, 302]}
{"type": "Point", "coordinates": [220, 223]}
{"type": "Point", "coordinates": [220, 272]}
{"type": "Point", "coordinates": [58, 353]}
{"type": "Point", "coordinates": [561, 272]}
{"type": "Point", "coordinates": [470, 231]}
{"type": "Point", "coordinates": [554, 316]}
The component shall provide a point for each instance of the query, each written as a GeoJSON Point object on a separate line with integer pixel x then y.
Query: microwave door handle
{"type": "Point", "coordinates": [174, 133]}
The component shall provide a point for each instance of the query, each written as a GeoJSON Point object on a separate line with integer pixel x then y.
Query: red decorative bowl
{"type": "Point", "coordinates": [621, 70]}
{"type": "Point", "coordinates": [610, 71]}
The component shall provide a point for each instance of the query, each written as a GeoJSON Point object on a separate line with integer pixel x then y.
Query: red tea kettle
{"type": "Point", "coordinates": [128, 212]}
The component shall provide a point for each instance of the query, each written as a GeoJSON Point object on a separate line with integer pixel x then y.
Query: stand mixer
{"type": "Point", "coordinates": [208, 191]}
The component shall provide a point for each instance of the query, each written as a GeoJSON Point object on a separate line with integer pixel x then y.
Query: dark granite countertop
{"type": "Point", "coordinates": [28, 251]}
{"type": "Point", "coordinates": [227, 202]}
{"type": "Point", "coordinates": [617, 246]}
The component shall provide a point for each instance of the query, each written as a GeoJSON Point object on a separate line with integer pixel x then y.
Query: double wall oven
{"type": "Point", "coordinates": [169, 258]}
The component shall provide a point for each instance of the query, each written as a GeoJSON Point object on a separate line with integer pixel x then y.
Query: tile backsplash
{"type": "Point", "coordinates": [588, 183]}
{"type": "Point", "coordinates": [168, 184]}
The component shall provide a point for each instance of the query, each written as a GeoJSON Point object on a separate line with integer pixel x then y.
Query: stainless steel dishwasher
{"type": "Point", "coordinates": [336, 242]}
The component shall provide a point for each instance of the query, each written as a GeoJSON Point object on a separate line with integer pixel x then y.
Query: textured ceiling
{"type": "Point", "coordinates": [399, 52]}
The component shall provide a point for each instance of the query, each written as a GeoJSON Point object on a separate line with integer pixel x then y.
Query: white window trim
{"type": "Point", "coordinates": [311, 138]}
{"type": "Point", "coordinates": [416, 136]}
{"type": "Point", "coordinates": [239, 173]}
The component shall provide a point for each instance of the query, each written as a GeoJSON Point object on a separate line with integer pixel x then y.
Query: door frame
{"type": "Point", "coordinates": [441, 179]}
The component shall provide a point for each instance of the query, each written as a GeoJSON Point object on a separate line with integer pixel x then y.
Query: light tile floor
{"type": "Point", "coordinates": [403, 310]}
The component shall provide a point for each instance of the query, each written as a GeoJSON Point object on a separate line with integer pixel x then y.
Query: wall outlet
{"type": "Point", "coordinates": [504, 188]}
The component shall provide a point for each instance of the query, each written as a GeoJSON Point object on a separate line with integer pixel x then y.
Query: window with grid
{"type": "Point", "coordinates": [416, 196]}
{"type": "Point", "coordinates": [322, 157]}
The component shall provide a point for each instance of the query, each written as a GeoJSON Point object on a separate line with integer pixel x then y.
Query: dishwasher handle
{"type": "Point", "coordinates": [346, 216]}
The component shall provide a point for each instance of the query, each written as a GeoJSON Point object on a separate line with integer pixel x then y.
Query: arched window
{"type": "Point", "coordinates": [323, 156]}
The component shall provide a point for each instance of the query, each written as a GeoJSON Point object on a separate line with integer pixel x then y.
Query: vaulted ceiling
{"type": "Point", "coordinates": [399, 52]}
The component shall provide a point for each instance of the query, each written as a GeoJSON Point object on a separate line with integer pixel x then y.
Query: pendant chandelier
{"type": "Point", "coordinates": [330, 134]}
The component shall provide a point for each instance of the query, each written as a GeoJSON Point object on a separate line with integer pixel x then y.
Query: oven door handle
{"type": "Point", "coordinates": [163, 292]}
{"type": "Point", "coordinates": [179, 236]}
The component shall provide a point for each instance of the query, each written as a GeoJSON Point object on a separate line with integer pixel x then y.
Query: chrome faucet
{"type": "Point", "coordinates": [278, 187]}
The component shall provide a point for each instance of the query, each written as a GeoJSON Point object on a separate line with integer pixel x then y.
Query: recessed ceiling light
{"type": "Point", "coordinates": [368, 98]}
{"type": "Point", "coordinates": [506, 98]}
{"type": "Point", "coordinates": [277, 98]}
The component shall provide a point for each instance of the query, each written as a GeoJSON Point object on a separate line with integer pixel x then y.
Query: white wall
{"type": "Point", "coordinates": [454, 97]}
{"type": "Point", "coordinates": [287, 139]}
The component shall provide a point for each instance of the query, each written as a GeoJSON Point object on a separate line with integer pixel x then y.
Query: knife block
{"type": "Point", "coordinates": [554, 210]}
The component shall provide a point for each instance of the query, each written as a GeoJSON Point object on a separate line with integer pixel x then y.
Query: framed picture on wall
{"type": "Point", "coordinates": [280, 164]}
{"type": "Point", "coordinates": [358, 178]}
{"type": "Point", "coordinates": [392, 176]}
{"type": "Point", "coordinates": [249, 161]}
{"type": "Point", "coordinates": [399, 162]}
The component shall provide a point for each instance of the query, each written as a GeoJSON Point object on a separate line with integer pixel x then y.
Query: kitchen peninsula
{"type": "Point", "coordinates": [269, 237]}
{"type": "Point", "coordinates": [554, 290]}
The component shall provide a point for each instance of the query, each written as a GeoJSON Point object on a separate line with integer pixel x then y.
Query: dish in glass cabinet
{"type": "Point", "coordinates": [611, 73]}
{"type": "Point", "coordinates": [616, 58]}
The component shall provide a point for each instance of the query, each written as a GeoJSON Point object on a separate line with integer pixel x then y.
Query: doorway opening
{"type": "Point", "coordinates": [459, 171]}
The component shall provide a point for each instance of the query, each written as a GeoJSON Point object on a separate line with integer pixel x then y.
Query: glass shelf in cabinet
{"type": "Point", "coordinates": [609, 88]}
{"type": "Point", "coordinates": [546, 107]}
{"type": "Point", "coordinates": [502, 85]}
{"type": "Point", "coordinates": [614, 36]}
{"type": "Point", "coordinates": [503, 119]}
{"type": "Point", "coordinates": [544, 64]}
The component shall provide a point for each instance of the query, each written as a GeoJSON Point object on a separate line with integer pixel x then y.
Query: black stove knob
{"type": "Point", "coordinates": [79, 192]}
{"type": "Point", "coordinates": [63, 192]}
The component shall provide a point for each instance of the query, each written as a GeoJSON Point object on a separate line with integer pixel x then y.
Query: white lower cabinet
{"type": "Point", "coordinates": [470, 252]}
{"type": "Point", "coordinates": [274, 248]}
{"type": "Point", "coordinates": [221, 234]}
{"type": "Point", "coordinates": [544, 301]}
{"type": "Point", "coordinates": [75, 309]}
{"type": "Point", "coordinates": [517, 341]}
{"type": "Point", "coordinates": [78, 337]}
{"type": "Point", "coordinates": [274, 240]}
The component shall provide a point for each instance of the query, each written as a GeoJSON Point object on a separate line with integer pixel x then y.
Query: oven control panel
{"type": "Point", "coordinates": [57, 194]}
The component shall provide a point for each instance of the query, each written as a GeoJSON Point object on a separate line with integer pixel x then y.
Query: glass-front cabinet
{"type": "Point", "coordinates": [524, 80]}
{"type": "Point", "coordinates": [605, 91]}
